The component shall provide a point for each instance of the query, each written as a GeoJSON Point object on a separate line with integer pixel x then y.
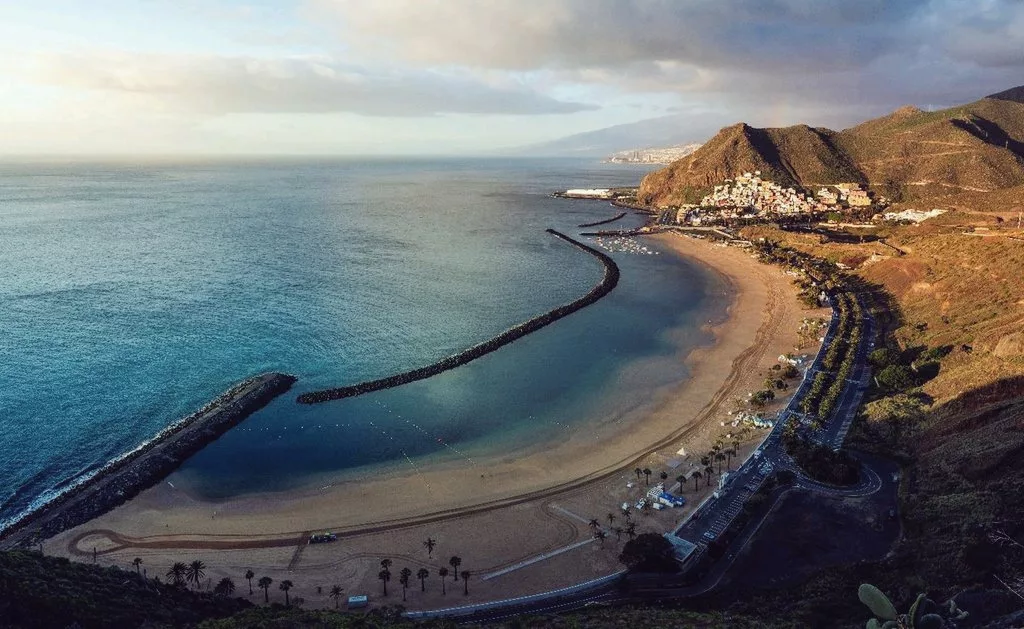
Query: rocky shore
{"type": "Point", "coordinates": [605, 286]}
{"type": "Point", "coordinates": [604, 222]}
{"type": "Point", "coordinates": [121, 479]}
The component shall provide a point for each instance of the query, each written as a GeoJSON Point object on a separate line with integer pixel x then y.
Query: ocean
{"type": "Point", "coordinates": [132, 294]}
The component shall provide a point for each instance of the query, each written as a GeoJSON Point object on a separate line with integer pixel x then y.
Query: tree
{"type": "Point", "coordinates": [465, 580]}
{"type": "Point", "coordinates": [430, 544]}
{"type": "Point", "coordinates": [403, 577]}
{"type": "Point", "coordinates": [336, 591]}
{"type": "Point", "coordinates": [728, 457]}
{"type": "Point", "coordinates": [626, 512]}
{"type": "Point", "coordinates": [696, 479]}
{"type": "Point", "coordinates": [264, 584]}
{"type": "Point", "coordinates": [443, 573]}
{"type": "Point", "coordinates": [594, 524]}
{"type": "Point", "coordinates": [137, 562]}
{"type": "Point", "coordinates": [709, 471]}
{"type": "Point", "coordinates": [422, 575]}
{"type": "Point", "coordinates": [284, 586]}
{"type": "Point", "coordinates": [225, 587]}
{"type": "Point", "coordinates": [719, 457]}
{"type": "Point", "coordinates": [384, 576]}
{"type": "Point", "coordinates": [618, 533]}
{"type": "Point", "coordinates": [649, 552]}
{"type": "Point", "coordinates": [455, 562]}
{"type": "Point", "coordinates": [883, 357]}
{"type": "Point", "coordinates": [663, 475]}
{"type": "Point", "coordinates": [681, 479]}
{"type": "Point", "coordinates": [647, 476]}
{"type": "Point", "coordinates": [385, 564]}
{"type": "Point", "coordinates": [177, 573]}
{"type": "Point", "coordinates": [196, 572]}
{"type": "Point", "coordinates": [249, 574]}
{"type": "Point", "coordinates": [611, 519]}
{"type": "Point", "coordinates": [895, 378]}
{"type": "Point", "coordinates": [631, 530]}
{"type": "Point", "coordinates": [638, 473]}
{"type": "Point", "coordinates": [600, 536]}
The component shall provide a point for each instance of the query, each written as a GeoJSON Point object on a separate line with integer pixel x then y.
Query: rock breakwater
{"type": "Point", "coordinates": [604, 222]}
{"type": "Point", "coordinates": [123, 478]}
{"type": "Point", "coordinates": [608, 282]}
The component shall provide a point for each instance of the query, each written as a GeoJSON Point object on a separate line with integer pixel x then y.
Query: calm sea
{"type": "Point", "coordinates": [130, 295]}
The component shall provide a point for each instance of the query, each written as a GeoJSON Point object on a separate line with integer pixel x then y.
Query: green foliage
{"type": "Point", "coordinates": [883, 357]}
{"type": "Point", "coordinates": [895, 378]}
{"type": "Point", "coordinates": [38, 591]}
{"type": "Point", "coordinates": [649, 552]}
{"type": "Point", "coordinates": [877, 602]}
{"type": "Point", "coordinates": [923, 614]}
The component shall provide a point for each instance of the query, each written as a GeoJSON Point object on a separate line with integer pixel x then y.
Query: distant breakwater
{"type": "Point", "coordinates": [604, 222]}
{"type": "Point", "coordinates": [121, 479]}
{"type": "Point", "coordinates": [602, 288]}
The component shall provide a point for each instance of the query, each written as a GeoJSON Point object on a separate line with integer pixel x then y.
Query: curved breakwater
{"type": "Point", "coordinates": [122, 478]}
{"type": "Point", "coordinates": [604, 222]}
{"type": "Point", "coordinates": [608, 282]}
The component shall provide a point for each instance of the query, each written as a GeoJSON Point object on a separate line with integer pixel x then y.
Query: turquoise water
{"type": "Point", "coordinates": [132, 294]}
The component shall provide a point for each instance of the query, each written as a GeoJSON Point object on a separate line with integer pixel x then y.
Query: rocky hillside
{"type": "Point", "coordinates": [909, 154]}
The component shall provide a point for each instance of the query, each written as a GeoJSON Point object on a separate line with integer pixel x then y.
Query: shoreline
{"type": "Point", "coordinates": [125, 476]}
{"type": "Point", "coordinates": [399, 499]}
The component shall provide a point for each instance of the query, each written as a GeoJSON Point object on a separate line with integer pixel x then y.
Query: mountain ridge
{"type": "Point", "coordinates": [907, 154]}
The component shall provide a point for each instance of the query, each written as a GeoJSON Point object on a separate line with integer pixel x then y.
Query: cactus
{"type": "Point", "coordinates": [923, 614]}
{"type": "Point", "coordinates": [877, 602]}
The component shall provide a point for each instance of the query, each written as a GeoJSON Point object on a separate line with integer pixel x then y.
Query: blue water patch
{"type": "Point", "coordinates": [133, 294]}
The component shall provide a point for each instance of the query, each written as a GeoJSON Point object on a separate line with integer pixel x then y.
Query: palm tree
{"type": "Point", "coordinates": [249, 574]}
{"type": "Point", "coordinates": [384, 576]}
{"type": "Point", "coordinates": [638, 473]}
{"type": "Point", "coordinates": [611, 519]}
{"type": "Point", "coordinates": [631, 530]}
{"type": "Point", "coordinates": [196, 572]}
{"type": "Point", "coordinates": [177, 573]}
{"type": "Point", "coordinates": [430, 544]}
{"type": "Point", "coordinates": [403, 578]}
{"type": "Point", "coordinates": [681, 479]}
{"type": "Point", "coordinates": [647, 476]}
{"type": "Point", "coordinates": [284, 587]}
{"type": "Point", "coordinates": [225, 587]}
{"type": "Point", "coordinates": [137, 562]}
{"type": "Point", "coordinates": [719, 457]}
{"type": "Point", "coordinates": [696, 479]}
{"type": "Point", "coordinates": [455, 562]}
{"type": "Point", "coordinates": [728, 458]}
{"type": "Point", "coordinates": [600, 536]}
{"type": "Point", "coordinates": [663, 476]}
{"type": "Point", "coordinates": [422, 575]}
{"type": "Point", "coordinates": [708, 472]}
{"type": "Point", "coordinates": [264, 584]}
{"type": "Point", "coordinates": [618, 533]}
{"type": "Point", "coordinates": [336, 591]}
{"type": "Point", "coordinates": [385, 564]}
{"type": "Point", "coordinates": [443, 573]}
{"type": "Point", "coordinates": [625, 512]}
{"type": "Point", "coordinates": [465, 580]}
{"type": "Point", "coordinates": [594, 524]}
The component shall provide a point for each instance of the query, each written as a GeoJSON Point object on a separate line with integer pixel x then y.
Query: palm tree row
{"type": "Point", "coordinates": [405, 575]}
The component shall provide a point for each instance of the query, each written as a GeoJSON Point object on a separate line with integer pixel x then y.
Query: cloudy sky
{"type": "Point", "coordinates": [466, 76]}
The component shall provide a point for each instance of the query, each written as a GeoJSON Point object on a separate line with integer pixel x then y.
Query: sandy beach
{"type": "Point", "coordinates": [495, 513]}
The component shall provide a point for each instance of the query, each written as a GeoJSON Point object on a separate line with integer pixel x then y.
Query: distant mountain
{"type": "Point", "coordinates": [909, 154]}
{"type": "Point", "coordinates": [654, 132]}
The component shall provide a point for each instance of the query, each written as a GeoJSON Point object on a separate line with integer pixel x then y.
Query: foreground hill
{"type": "Point", "coordinates": [909, 154]}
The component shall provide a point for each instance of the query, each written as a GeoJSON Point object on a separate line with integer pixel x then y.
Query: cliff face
{"type": "Point", "coordinates": [907, 154]}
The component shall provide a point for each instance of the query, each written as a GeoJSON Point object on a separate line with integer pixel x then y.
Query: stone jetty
{"type": "Point", "coordinates": [605, 286]}
{"type": "Point", "coordinates": [120, 480]}
{"type": "Point", "coordinates": [604, 222]}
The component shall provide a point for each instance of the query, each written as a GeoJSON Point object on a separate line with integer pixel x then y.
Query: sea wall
{"type": "Point", "coordinates": [602, 288]}
{"type": "Point", "coordinates": [604, 222]}
{"type": "Point", "coordinates": [123, 478]}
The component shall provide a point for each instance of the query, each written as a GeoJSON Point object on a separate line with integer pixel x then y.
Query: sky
{"type": "Point", "coordinates": [365, 77]}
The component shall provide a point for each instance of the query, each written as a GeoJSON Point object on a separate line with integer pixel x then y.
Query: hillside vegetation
{"type": "Point", "coordinates": [909, 154]}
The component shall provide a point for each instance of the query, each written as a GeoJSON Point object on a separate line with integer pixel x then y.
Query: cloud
{"type": "Point", "coordinates": [876, 53]}
{"type": "Point", "coordinates": [221, 85]}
